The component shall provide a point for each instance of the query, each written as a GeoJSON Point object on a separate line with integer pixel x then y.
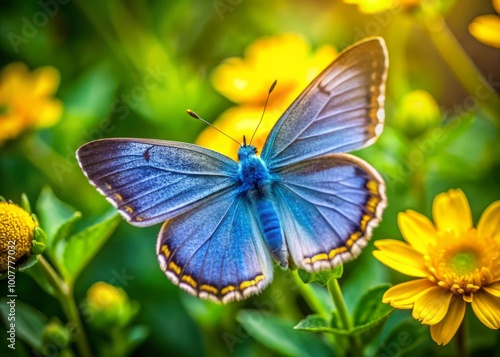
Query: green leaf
{"type": "Point", "coordinates": [369, 317]}
{"type": "Point", "coordinates": [29, 322]}
{"type": "Point", "coordinates": [370, 313]}
{"type": "Point", "coordinates": [369, 272]}
{"type": "Point", "coordinates": [76, 251]}
{"type": "Point", "coordinates": [405, 337]}
{"type": "Point", "coordinates": [65, 229]}
{"type": "Point", "coordinates": [314, 323]}
{"type": "Point", "coordinates": [53, 213]}
{"type": "Point", "coordinates": [136, 335]}
{"type": "Point", "coordinates": [321, 277]}
{"type": "Point", "coordinates": [30, 262]}
{"type": "Point", "coordinates": [279, 335]}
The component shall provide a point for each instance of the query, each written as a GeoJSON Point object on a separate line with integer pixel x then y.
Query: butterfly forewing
{"type": "Point", "coordinates": [149, 181]}
{"type": "Point", "coordinates": [340, 111]}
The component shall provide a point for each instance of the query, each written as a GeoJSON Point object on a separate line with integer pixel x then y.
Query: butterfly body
{"type": "Point", "coordinates": [256, 186]}
{"type": "Point", "coordinates": [303, 201]}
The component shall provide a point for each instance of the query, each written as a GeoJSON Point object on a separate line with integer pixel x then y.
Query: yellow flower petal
{"type": "Point", "coordinates": [486, 28]}
{"type": "Point", "coordinates": [496, 5]}
{"type": "Point", "coordinates": [287, 58]}
{"type": "Point", "coordinates": [487, 309]}
{"type": "Point", "coordinates": [431, 306]}
{"type": "Point", "coordinates": [49, 113]}
{"type": "Point", "coordinates": [401, 257]}
{"type": "Point", "coordinates": [493, 289]}
{"type": "Point", "coordinates": [451, 211]}
{"type": "Point", "coordinates": [443, 332]}
{"type": "Point", "coordinates": [403, 296]}
{"type": "Point", "coordinates": [489, 223]}
{"type": "Point", "coordinates": [45, 81]}
{"type": "Point", "coordinates": [238, 122]}
{"type": "Point", "coordinates": [417, 230]}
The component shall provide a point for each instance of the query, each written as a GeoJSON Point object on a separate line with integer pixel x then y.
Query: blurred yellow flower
{"type": "Point", "coordinates": [456, 264]}
{"type": "Point", "coordinates": [287, 58]}
{"type": "Point", "coordinates": [375, 6]}
{"type": "Point", "coordinates": [417, 112]}
{"type": "Point", "coordinates": [17, 229]}
{"type": "Point", "coordinates": [26, 99]}
{"type": "Point", "coordinates": [486, 28]}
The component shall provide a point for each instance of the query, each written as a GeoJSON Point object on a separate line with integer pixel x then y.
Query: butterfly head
{"type": "Point", "coordinates": [246, 150]}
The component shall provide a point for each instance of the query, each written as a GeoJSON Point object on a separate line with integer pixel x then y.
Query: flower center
{"type": "Point", "coordinates": [463, 262]}
{"type": "Point", "coordinates": [4, 109]}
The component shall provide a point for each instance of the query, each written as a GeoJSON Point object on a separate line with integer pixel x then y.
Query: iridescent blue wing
{"type": "Point", "coordinates": [216, 250]}
{"type": "Point", "coordinates": [340, 111]}
{"type": "Point", "coordinates": [328, 207]}
{"type": "Point", "coordinates": [150, 181]}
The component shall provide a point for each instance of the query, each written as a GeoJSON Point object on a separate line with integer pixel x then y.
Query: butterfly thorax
{"type": "Point", "coordinates": [253, 173]}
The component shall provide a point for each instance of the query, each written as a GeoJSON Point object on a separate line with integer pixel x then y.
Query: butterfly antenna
{"type": "Point", "coordinates": [265, 105]}
{"type": "Point", "coordinates": [196, 116]}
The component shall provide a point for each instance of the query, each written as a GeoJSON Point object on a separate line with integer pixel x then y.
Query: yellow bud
{"type": "Point", "coordinates": [16, 233]}
{"type": "Point", "coordinates": [109, 306]}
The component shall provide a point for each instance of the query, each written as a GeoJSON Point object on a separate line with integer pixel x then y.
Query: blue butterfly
{"type": "Point", "coordinates": [302, 202]}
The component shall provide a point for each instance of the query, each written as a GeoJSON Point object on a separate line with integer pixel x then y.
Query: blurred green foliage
{"type": "Point", "coordinates": [130, 69]}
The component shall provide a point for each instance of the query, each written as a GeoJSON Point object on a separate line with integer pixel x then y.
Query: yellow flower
{"type": "Point", "coordinates": [17, 229]}
{"type": "Point", "coordinates": [286, 58]}
{"type": "Point", "coordinates": [375, 6]}
{"type": "Point", "coordinates": [456, 264]}
{"type": "Point", "coordinates": [26, 99]}
{"type": "Point", "coordinates": [486, 28]}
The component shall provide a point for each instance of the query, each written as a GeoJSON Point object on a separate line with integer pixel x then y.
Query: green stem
{"type": "Point", "coordinates": [312, 301]}
{"type": "Point", "coordinates": [461, 345]}
{"type": "Point", "coordinates": [463, 67]}
{"type": "Point", "coordinates": [64, 294]}
{"type": "Point", "coordinates": [345, 317]}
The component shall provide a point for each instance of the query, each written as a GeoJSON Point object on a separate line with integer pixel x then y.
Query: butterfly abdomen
{"type": "Point", "coordinates": [272, 231]}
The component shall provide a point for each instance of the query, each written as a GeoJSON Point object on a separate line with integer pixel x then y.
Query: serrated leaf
{"type": "Point", "coordinates": [370, 306]}
{"type": "Point", "coordinates": [322, 276]}
{"type": "Point", "coordinates": [52, 213]}
{"type": "Point", "coordinates": [370, 313]}
{"type": "Point", "coordinates": [279, 335]}
{"type": "Point", "coordinates": [369, 317]}
{"type": "Point", "coordinates": [76, 251]}
{"type": "Point", "coordinates": [405, 337]}
{"type": "Point", "coordinates": [29, 322]}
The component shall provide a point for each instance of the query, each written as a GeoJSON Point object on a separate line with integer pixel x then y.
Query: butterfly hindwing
{"type": "Point", "coordinates": [328, 207]}
{"type": "Point", "coordinates": [149, 181]}
{"type": "Point", "coordinates": [216, 251]}
{"type": "Point", "coordinates": [340, 111]}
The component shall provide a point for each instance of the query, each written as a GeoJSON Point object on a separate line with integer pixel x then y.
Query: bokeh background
{"type": "Point", "coordinates": [131, 69]}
